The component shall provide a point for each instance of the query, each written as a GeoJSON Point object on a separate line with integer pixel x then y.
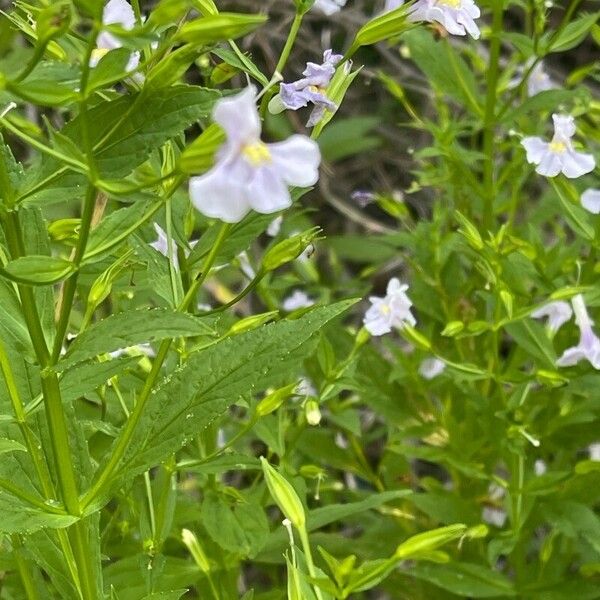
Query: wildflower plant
{"type": "Point", "coordinates": [248, 352]}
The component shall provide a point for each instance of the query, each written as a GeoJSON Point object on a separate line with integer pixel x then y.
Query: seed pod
{"type": "Point", "coordinates": [284, 495]}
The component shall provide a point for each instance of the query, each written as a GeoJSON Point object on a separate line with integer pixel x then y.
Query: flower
{"type": "Point", "coordinates": [245, 265]}
{"type": "Point", "coordinates": [161, 245]}
{"type": "Point", "coordinates": [312, 88]}
{"type": "Point", "coordinates": [589, 344]}
{"type": "Point", "coordinates": [456, 16]}
{"type": "Point", "coordinates": [116, 12]}
{"type": "Point", "coordinates": [250, 174]}
{"type": "Point", "coordinates": [329, 7]}
{"type": "Point", "coordinates": [297, 300]}
{"type": "Point", "coordinates": [430, 368]}
{"type": "Point", "coordinates": [539, 81]}
{"type": "Point", "coordinates": [558, 314]}
{"type": "Point", "coordinates": [590, 200]}
{"type": "Point", "coordinates": [391, 311]}
{"type": "Point", "coordinates": [558, 156]}
{"type": "Point", "coordinates": [275, 226]}
{"type": "Point", "coordinates": [363, 197]}
{"type": "Point", "coordinates": [306, 387]}
{"type": "Point", "coordinates": [594, 450]}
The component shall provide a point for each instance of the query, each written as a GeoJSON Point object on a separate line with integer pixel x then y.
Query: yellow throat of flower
{"type": "Point", "coordinates": [257, 154]}
{"type": "Point", "coordinates": [451, 3]}
{"type": "Point", "coordinates": [98, 53]}
{"type": "Point", "coordinates": [557, 147]}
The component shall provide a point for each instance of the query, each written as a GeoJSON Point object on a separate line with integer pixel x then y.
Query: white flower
{"type": "Point", "coordinates": [250, 174]}
{"type": "Point", "coordinates": [306, 387]}
{"type": "Point", "coordinates": [391, 311]}
{"type": "Point", "coordinates": [540, 467]}
{"type": "Point", "coordinates": [298, 299]}
{"type": "Point", "coordinates": [558, 314]}
{"type": "Point", "coordinates": [162, 245]}
{"type": "Point", "coordinates": [329, 7]}
{"type": "Point", "coordinates": [539, 81]}
{"type": "Point", "coordinates": [590, 200]}
{"type": "Point", "coordinates": [594, 450]}
{"type": "Point", "coordinates": [116, 12]}
{"type": "Point", "coordinates": [558, 156]}
{"type": "Point", "coordinates": [139, 350]}
{"type": "Point", "coordinates": [430, 368]}
{"type": "Point", "coordinates": [456, 16]}
{"type": "Point", "coordinates": [245, 265]}
{"type": "Point", "coordinates": [275, 226]}
{"type": "Point", "coordinates": [589, 344]}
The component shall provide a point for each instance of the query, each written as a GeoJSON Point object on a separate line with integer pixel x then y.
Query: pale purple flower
{"type": "Point", "coordinates": [298, 299]}
{"type": "Point", "coordinates": [558, 155]}
{"type": "Point", "coordinates": [116, 12]}
{"type": "Point", "coordinates": [539, 81]}
{"type": "Point", "coordinates": [589, 344]}
{"type": "Point", "coordinates": [162, 245]}
{"type": "Point", "coordinates": [391, 311]}
{"type": "Point", "coordinates": [306, 387]}
{"type": "Point", "coordinates": [558, 313]}
{"type": "Point", "coordinates": [590, 200]}
{"type": "Point", "coordinates": [329, 7]}
{"type": "Point", "coordinates": [312, 88]}
{"type": "Point", "coordinates": [456, 16]}
{"type": "Point", "coordinates": [250, 174]}
{"type": "Point", "coordinates": [430, 368]}
{"type": "Point", "coordinates": [363, 198]}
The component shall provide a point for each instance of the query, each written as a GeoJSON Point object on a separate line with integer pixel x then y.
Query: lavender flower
{"type": "Point", "coordinates": [430, 368]}
{"type": "Point", "coordinates": [456, 16]}
{"type": "Point", "coordinates": [391, 311]}
{"type": "Point", "coordinates": [329, 7]}
{"type": "Point", "coordinates": [116, 12]}
{"type": "Point", "coordinates": [589, 344]}
{"type": "Point", "coordinates": [298, 299]}
{"type": "Point", "coordinates": [250, 174]}
{"type": "Point", "coordinates": [558, 314]}
{"type": "Point", "coordinates": [312, 88]}
{"type": "Point", "coordinates": [162, 245]}
{"type": "Point", "coordinates": [558, 155]}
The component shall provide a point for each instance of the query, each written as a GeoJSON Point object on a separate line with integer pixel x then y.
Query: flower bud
{"type": "Point", "coordinates": [416, 338]}
{"type": "Point", "coordinates": [430, 540]}
{"type": "Point", "coordinates": [469, 231]}
{"type": "Point", "coordinates": [192, 544]}
{"type": "Point", "coordinates": [288, 250]}
{"type": "Point", "coordinates": [252, 322]}
{"type": "Point", "coordinates": [453, 328]}
{"type": "Point", "coordinates": [312, 412]}
{"type": "Point", "coordinates": [284, 494]}
{"type": "Point", "coordinates": [274, 400]}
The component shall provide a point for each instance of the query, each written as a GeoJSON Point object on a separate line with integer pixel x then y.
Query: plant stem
{"type": "Point", "coordinates": [24, 569]}
{"type": "Point", "coordinates": [309, 559]}
{"type": "Point", "coordinates": [136, 414]}
{"type": "Point", "coordinates": [489, 122]}
{"type": "Point", "coordinates": [70, 285]}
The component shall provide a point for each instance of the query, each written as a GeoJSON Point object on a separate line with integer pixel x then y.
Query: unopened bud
{"type": "Point", "coordinates": [312, 412]}
{"type": "Point", "coordinates": [288, 250]}
{"type": "Point", "coordinates": [284, 494]}
{"type": "Point", "coordinates": [192, 544]}
{"type": "Point", "coordinates": [274, 400]}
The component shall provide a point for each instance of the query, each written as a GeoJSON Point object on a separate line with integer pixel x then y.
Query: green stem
{"type": "Point", "coordinates": [24, 569]}
{"type": "Point", "coordinates": [309, 559]}
{"type": "Point", "coordinates": [103, 480]}
{"type": "Point", "coordinates": [70, 285]}
{"type": "Point", "coordinates": [489, 122]}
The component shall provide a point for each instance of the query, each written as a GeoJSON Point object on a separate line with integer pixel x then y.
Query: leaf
{"type": "Point", "coordinates": [18, 517]}
{"type": "Point", "coordinates": [464, 579]}
{"type": "Point", "coordinates": [241, 62]}
{"type": "Point", "coordinates": [241, 529]}
{"type": "Point", "coordinates": [215, 378]}
{"type": "Point", "coordinates": [7, 445]}
{"type": "Point", "coordinates": [572, 35]}
{"type": "Point", "coordinates": [38, 270]}
{"type": "Point", "coordinates": [130, 328]}
{"type": "Point", "coordinates": [111, 65]}
{"type": "Point", "coordinates": [532, 337]}
{"type": "Point", "coordinates": [444, 68]}
{"type": "Point", "coordinates": [11, 172]}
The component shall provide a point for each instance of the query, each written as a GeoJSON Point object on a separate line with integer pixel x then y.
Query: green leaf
{"type": "Point", "coordinates": [572, 35]}
{"type": "Point", "coordinates": [444, 68]}
{"type": "Point", "coordinates": [242, 62]}
{"type": "Point", "coordinates": [38, 270]}
{"type": "Point", "coordinates": [220, 27]}
{"type": "Point", "coordinates": [18, 517]}
{"type": "Point", "coordinates": [130, 328]}
{"type": "Point", "coordinates": [215, 378]}
{"type": "Point", "coordinates": [241, 529]}
{"type": "Point", "coordinates": [532, 337]}
{"type": "Point", "coordinates": [109, 69]}
{"type": "Point", "coordinates": [11, 172]}
{"type": "Point", "coordinates": [7, 445]}
{"type": "Point", "coordinates": [465, 579]}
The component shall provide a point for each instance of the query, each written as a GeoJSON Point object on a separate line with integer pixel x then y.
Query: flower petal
{"type": "Point", "coordinates": [571, 356]}
{"type": "Point", "coordinates": [590, 200]}
{"type": "Point", "coordinates": [221, 193]}
{"type": "Point", "coordinates": [576, 164]}
{"type": "Point", "coordinates": [238, 116]}
{"type": "Point", "coordinates": [267, 192]}
{"type": "Point", "coordinates": [297, 160]}
{"type": "Point", "coordinates": [535, 147]}
{"type": "Point", "coordinates": [550, 165]}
